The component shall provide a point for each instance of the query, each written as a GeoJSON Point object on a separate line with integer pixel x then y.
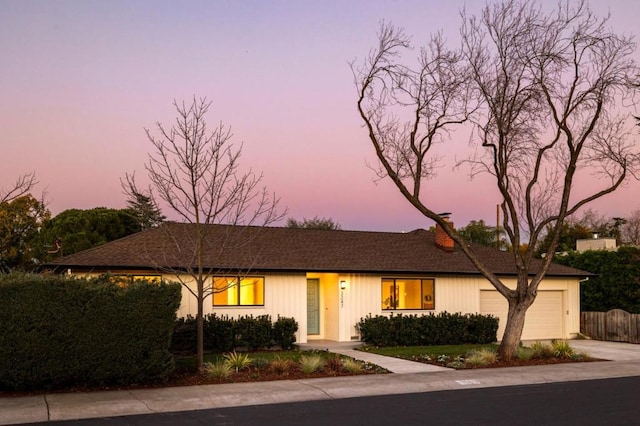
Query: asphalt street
{"type": "Point", "coordinates": [593, 402]}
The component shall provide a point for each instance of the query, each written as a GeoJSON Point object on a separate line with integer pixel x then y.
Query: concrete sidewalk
{"type": "Point", "coordinates": [67, 406]}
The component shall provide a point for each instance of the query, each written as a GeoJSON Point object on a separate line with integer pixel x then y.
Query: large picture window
{"type": "Point", "coordinates": [408, 293]}
{"type": "Point", "coordinates": [238, 291]}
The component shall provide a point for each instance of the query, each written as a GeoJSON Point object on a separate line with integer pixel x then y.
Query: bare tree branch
{"type": "Point", "coordinates": [195, 170]}
{"type": "Point", "coordinates": [549, 95]}
{"type": "Point", "coordinates": [23, 184]}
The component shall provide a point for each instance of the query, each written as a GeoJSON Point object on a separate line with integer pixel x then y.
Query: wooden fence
{"type": "Point", "coordinates": [616, 325]}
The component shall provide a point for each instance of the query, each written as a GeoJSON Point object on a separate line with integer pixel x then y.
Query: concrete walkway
{"type": "Point", "coordinates": [393, 365]}
{"type": "Point", "coordinates": [67, 406]}
{"type": "Point", "coordinates": [614, 351]}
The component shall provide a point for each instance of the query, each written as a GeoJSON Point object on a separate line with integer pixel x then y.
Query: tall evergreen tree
{"type": "Point", "coordinates": [142, 205]}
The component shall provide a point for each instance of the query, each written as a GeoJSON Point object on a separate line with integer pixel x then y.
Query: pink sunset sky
{"type": "Point", "coordinates": [80, 80]}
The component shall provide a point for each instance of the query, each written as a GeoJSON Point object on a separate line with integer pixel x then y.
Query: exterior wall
{"type": "Point", "coordinates": [361, 298]}
{"type": "Point", "coordinates": [452, 294]}
{"type": "Point", "coordinates": [596, 244]}
{"type": "Point", "coordinates": [570, 289]}
{"type": "Point", "coordinates": [342, 308]}
{"type": "Point", "coordinates": [285, 295]}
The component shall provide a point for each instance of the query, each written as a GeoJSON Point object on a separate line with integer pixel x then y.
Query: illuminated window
{"type": "Point", "coordinates": [408, 293]}
{"type": "Point", "coordinates": [238, 291]}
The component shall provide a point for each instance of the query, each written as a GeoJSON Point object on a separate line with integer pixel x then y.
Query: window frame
{"type": "Point", "coordinates": [238, 279]}
{"type": "Point", "coordinates": [395, 290]}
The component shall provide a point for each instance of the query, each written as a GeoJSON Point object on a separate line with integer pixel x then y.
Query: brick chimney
{"type": "Point", "coordinates": [444, 241]}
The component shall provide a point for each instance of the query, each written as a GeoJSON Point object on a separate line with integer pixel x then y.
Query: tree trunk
{"type": "Point", "coordinates": [200, 328]}
{"type": "Point", "coordinates": [513, 329]}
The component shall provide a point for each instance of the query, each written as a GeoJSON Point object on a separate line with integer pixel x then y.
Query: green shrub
{"type": "Point", "coordinates": [184, 335]}
{"type": "Point", "coordinates": [403, 329]}
{"type": "Point", "coordinates": [253, 333]}
{"type": "Point", "coordinates": [219, 335]}
{"type": "Point", "coordinates": [59, 331]}
{"type": "Point", "coordinates": [441, 329]}
{"type": "Point", "coordinates": [224, 334]}
{"type": "Point", "coordinates": [376, 331]}
{"type": "Point", "coordinates": [481, 329]}
{"type": "Point", "coordinates": [284, 332]}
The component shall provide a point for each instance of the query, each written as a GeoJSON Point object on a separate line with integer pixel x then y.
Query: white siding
{"type": "Point", "coordinates": [458, 294]}
{"type": "Point", "coordinates": [362, 298]}
{"type": "Point", "coordinates": [556, 314]}
{"type": "Point", "coordinates": [463, 294]}
{"type": "Point", "coordinates": [285, 295]}
{"type": "Point", "coordinates": [544, 319]}
{"type": "Point", "coordinates": [342, 309]}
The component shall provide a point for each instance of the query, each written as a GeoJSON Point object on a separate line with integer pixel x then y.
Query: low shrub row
{"type": "Point", "coordinates": [224, 334]}
{"type": "Point", "coordinates": [441, 329]}
{"type": "Point", "coordinates": [59, 331]}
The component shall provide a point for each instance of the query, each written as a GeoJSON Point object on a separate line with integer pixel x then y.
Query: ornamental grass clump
{"type": "Point", "coordinates": [334, 363]}
{"type": "Point", "coordinates": [280, 365]}
{"type": "Point", "coordinates": [311, 364]}
{"type": "Point", "coordinates": [352, 365]}
{"type": "Point", "coordinates": [480, 357]}
{"type": "Point", "coordinates": [579, 355]}
{"type": "Point", "coordinates": [260, 362]}
{"type": "Point", "coordinates": [218, 370]}
{"type": "Point", "coordinates": [525, 353]}
{"type": "Point", "coordinates": [542, 350]}
{"type": "Point", "coordinates": [237, 361]}
{"type": "Point", "coordinates": [562, 349]}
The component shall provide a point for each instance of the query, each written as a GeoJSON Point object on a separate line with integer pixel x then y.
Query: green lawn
{"type": "Point", "coordinates": [420, 352]}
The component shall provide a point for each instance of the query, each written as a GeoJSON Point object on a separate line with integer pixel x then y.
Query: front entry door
{"type": "Point", "coordinates": [313, 306]}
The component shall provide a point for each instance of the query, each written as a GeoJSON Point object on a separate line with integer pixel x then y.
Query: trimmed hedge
{"type": "Point", "coordinates": [59, 331]}
{"type": "Point", "coordinates": [224, 334]}
{"type": "Point", "coordinates": [441, 329]}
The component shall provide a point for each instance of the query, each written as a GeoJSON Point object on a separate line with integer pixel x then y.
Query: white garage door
{"type": "Point", "coordinates": [544, 318]}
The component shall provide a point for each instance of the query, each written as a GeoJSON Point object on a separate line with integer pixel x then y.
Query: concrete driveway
{"type": "Point", "coordinates": [612, 351]}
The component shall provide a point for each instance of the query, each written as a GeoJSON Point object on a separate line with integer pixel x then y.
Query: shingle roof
{"type": "Point", "coordinates": [291, 249]}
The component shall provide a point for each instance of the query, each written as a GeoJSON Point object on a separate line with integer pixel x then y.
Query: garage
{"type": "Point", "coordinates": [544, 318]}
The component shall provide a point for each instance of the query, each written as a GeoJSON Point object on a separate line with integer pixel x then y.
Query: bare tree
{"type": "Point", "coordinates": [23, 184]}
{"type": "Point", "coordinates": [631, 229]}
{"type": "Point", "coordinates": [551, 88]}
{"type": "Point", "coordinates": [195, 171]}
